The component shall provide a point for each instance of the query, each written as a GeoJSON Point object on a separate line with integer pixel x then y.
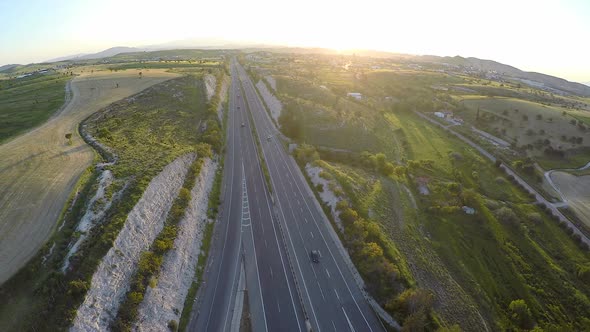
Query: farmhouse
{"type": "Point", "coordinates": [355, 95]}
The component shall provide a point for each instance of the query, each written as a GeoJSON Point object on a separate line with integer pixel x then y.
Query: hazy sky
{"type": "Point", "coordinates": [552, 37]}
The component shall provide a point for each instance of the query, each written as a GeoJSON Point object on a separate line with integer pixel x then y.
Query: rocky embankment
{"type": "Point", "coordinates": [97, 207]}
{"type": "Point", "coordinates": [222, 97]}
{"type": "Point", "coordinates": [271, 101]}
{"type": "Point", "coordinates": [210, 84]}
{"type": "Point", "coordinates": [164, 302]}
{"type": "Point", "coordinates": [111, 279]}
{"type": "Point", "coordinates": [327, 194]}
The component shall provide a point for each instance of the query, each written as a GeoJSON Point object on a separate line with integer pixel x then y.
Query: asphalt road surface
{"type": "Point", "coordinates": [332, 299]}
{"type": "Point", "coordinates": [247, 231]}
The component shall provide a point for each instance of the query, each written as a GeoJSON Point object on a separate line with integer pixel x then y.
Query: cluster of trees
{"type": "Point", "coordinates": [291, 121]}
{"type": "Point", "coordinates": [555, 153]}
{"type": "Point", "coordinates": [377, 162]}
{"type": "Point", "coordinates": [579, 123]}
{"type": "Point", "coordinates": [305, 153]}
{"type": "Point", "coordinates": [572, 139]}
{"type": "Point", "coordinates": [527, 166]}
{"type": "Point", "coordinates": [369, 249]}
{"type": "Point", "coordinates": [212, 134]}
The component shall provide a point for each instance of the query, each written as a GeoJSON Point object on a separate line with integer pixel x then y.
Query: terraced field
{"type": "Point", "coordinates": [39, 169]}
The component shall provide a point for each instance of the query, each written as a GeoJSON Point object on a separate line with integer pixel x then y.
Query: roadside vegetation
{"type": "Point", "coordinates": [441, 236]}
{"type": "Point", "coordinates": [29, 101]}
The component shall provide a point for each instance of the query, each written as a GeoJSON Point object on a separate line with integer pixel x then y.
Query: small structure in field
{"type": "Point", "coordinates": [468, 209]}
{"type": "Point", "coordinates": [355, 95]}
{"type": "Point", "coordinates": [439, 115]}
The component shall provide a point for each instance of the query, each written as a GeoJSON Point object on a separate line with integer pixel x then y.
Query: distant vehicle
{"type": "Point", "coordinates": [315, 256]}
{"type": "Point", "coordinates": [238, 96]}
{"type": "Point", "coordinates": [268, 137]}
{"type": "Point", "coordinates": [238, 107]}
{"type": "Point", "coordinates": [243, 124]}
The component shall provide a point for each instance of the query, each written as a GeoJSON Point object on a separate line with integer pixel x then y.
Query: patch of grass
{"type": "Point", "coordinates": [28, 102]}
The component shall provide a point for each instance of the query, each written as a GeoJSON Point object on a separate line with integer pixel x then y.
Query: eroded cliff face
{"type": "Point", "coordinates": [113, 275]}
{"type": "Point", "coordinates": [165, 301]}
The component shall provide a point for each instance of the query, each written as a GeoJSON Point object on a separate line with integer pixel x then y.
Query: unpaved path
{"type": "Point", "coordinates": [575, 192]}
{"type": "Point", "coordinates": [39, 169]}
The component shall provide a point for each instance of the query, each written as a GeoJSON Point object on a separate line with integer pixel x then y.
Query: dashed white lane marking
{"type": "Point", "coordinates": [328, 273]}
{"type": "Point", "coordinates": [337, 296]}
{"type": "Point", "coordinates": [321, 291]}
{"type": "Point", "coordinates": [246, 221]}
{"type": "Point", "coordinates": [348, 320]}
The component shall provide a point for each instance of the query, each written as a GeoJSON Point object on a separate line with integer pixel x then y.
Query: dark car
{"type": "Point", "coordinates": [315, 256]}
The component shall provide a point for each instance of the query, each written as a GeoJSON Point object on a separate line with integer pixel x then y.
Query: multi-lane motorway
{"type": "Point", "coordinates": [273, 237]}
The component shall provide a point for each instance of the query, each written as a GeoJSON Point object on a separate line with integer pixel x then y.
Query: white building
{"type": "Point", "coordinates": [439, 115]}
{"type": "Point", "coordinates": [355, 95]}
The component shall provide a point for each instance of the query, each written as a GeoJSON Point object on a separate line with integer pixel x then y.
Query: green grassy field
{"type": "Point", "coordinates": [494, 260]}
{"type": "Point", "coordinates": [28, 102]}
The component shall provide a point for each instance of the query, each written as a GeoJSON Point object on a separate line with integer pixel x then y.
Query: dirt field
{"type": "Point", "coordinates": [39, 169]}
{"type": "Point", "coordinates": [576, 190]}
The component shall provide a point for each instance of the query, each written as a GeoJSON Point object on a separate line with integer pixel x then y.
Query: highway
{"type": "Point", "coordinates": [246, 231]}
{"type": "Point", "coordinates": [331, 297]}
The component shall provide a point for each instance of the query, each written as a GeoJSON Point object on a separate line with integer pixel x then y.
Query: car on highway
{"type": "Point", "coordinates": [243, 124]}
{"type": "Point", "coordinates": [268, 137]}
{"type": "Point", "coordinates": [238, 107]}
{"type": "Point", "coordinates": [315, 256]}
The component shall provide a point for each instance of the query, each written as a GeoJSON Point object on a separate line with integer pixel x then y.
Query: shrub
{"type": "Point", "coordinates": [319, 187]}
{"type": "Point", "coordinates": [535, 217]}
{"type": "Point", "coordinates": [521, 315]}
{"type": "Point", "coordinates": [500, 180]}
{"type": "Point", "coordinates": [173, 325]}
{"type": "Point", "coordinates": [506, 215]}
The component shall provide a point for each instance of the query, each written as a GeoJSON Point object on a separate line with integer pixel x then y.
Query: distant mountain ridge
{"type": "Point", "coordinates": [548, 82]}
{"type": "Point", "coordinates": [103, 54]}
{"type": "Point", "coordinates": [531, 78]}
{"type": "Point", "coordinates": [7, 68]}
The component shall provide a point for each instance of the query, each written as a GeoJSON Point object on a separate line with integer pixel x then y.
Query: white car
{"type": "Point", "coordinates": [268, 137]}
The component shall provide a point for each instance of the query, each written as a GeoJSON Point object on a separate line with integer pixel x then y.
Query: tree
{"type": "Point", "coordinates": [69, 138]}
{"type": "Point", "coordinates": [506, 215]}
{"type": "Point", "coordinates": [521, 315]}
{"type": "Point", "coordinates": [348, 216]}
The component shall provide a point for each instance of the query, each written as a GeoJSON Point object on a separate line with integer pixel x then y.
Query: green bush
{"type": "Point", "coordinates": [521, 315]}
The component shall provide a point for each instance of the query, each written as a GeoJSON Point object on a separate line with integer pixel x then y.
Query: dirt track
{"type": "Point", "coordinates": [39, 169]}
{"type": "Point", "coordinates": [576, 191]}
